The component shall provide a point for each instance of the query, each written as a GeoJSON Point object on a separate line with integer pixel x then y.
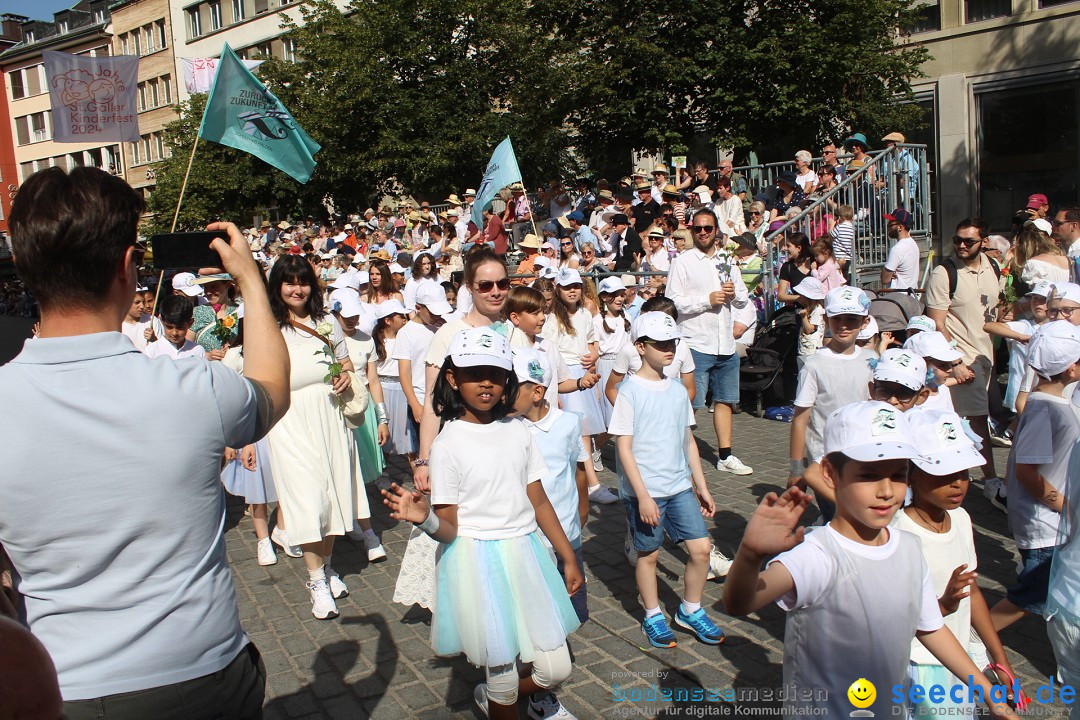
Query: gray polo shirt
{"type": "Point", "coordinates": [112, 512]}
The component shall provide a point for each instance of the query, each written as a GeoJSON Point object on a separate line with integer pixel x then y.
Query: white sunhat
{"type": "Point", "coordinates": [346, 303]}
{"type": "Point", "coordinates": [185, 283]}
{"type": "Point", "coordinates": [482, 346]}
{"type": "Point", "coordinates": [846, 300]}
{"type": "Point", "coordinates": [1053, 348]}
{"type": "Point", "coordinates": [904, 367]}
{"type": "Point", "coordinates": [944, 443]}
{"type": "Point", "coordinates": [540, 261]}
{"type": "Point", "coordinates": [933, 345]}
{"type": "Point", "coordinates": [532, 366]}
{"type": "Point", "coordinates": [611, 285]}
{"type": "Point", "coordinates": [567, 276]}
{"type": "Point", "coordinates": [810, 287]}
{"type": "Point", "coordinates": [921, 323]}
{"type": "Point", "coordinates": [390, 307]}
{"type": "Point", "coordinates": [868, 332]}
{"type": "Point", "coordinates": [346, 280]}
{"type": "Point", "coordinates": [869, 431]}
{"type": "Point", "coordinates": [654, 325]}
{"type": "Point", "coordinates": [432, 295]}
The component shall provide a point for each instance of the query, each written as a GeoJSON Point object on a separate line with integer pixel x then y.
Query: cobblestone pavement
{"type": "Point", "coordinates": [369, 663]}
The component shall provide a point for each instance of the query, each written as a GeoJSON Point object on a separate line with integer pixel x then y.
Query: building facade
{"type": "Point", "coordinates": [10, 35]}
{"type": "Point", "coordinates": [1002, 100]}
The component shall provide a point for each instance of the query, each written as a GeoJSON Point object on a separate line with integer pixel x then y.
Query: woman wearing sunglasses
{"type": "Point", "coordinates": [568, 256]}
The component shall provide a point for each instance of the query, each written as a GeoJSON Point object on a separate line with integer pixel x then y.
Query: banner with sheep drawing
{"type": "Point", "coordinates": [93, 98]}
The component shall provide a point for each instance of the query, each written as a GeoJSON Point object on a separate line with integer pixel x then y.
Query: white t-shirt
{"type": "Point", "coordinates": [136, 331]}
{"type": "Point", "coordinates": [827, 382]}
{"type": "Point", "coordinates": [810, 344]}
{"type": "Point", "coordinates": [485, 470]}
{"type": "Point", "coordinates": [412, 344]}
{"type": "Point", "coordinates": [362, 352]}
{"type": "Point", "coordinates": [163, 348]}
{"type": "Point", "coordinates": [1045, 436]}
{"type": "Point", "coordinates": [746, 315]}
{"type": "Point", "coordinates": [812, 569]}
{"type": "Point", "coordinates": [904, 261]}
{"type": "Point", "coordinates": [807, 177]}
{"type": "Point", "coordinates": [941, 400]}
{"type": "Point", "coordinates": [610, 342]}
{"type": "Point", "coordinates": [628, 362]}
{"type": "Point", "coordinates": [558, 435]}
{"type": "Point", "coordinates": [944, 552]}
{"type": "Point", "coordinates": [574, 346]}
{"type": "Point", "coordinates": [388, 368]}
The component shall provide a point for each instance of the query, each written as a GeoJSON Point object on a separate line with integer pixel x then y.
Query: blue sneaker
{"type": "Point", "coordinates": [699, 623]}
{"type": "Point", "coordinates": [657, 631]}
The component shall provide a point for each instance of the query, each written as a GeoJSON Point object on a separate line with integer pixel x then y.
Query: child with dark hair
{"type": "Point", "coordinates": [176, 318]}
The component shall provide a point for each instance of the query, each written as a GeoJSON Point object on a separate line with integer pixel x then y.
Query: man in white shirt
{"type": "Point", "coordinates": [729, 209]}
{"type": "Point", "coordinates": [901, 269]}
{"type": "Point", "coordinates": [705, 285]}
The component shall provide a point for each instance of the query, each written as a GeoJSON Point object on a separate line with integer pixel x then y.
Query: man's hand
{"type": "Point", "coordinates": [236, 258]}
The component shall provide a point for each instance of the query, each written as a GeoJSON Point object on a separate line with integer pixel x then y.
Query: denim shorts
{"type": "Point", "coordinates": [1033, 582]}
{"type": "Point", "coordinates": [718, 374]}
{"type": "Point", "coordinates": [680, 516]}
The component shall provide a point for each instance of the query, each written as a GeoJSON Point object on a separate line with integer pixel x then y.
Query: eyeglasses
{"type": "Point", "coordinates": [704, 228]}
{"type": "Point", "coordinates": [1065, 312]}
{"type": "Point", "coordinates": [662, 345]}
{"type": "Point", "coordinates": [885, 390]}
{"type": "Point", "coordinates": [486, 286]}
{"type": "Point", "coordinates": [754, 212]}
{"type": "Point", "coordinates": [957, 240]}
{"type": "Point", "coordinates": [944, 364]}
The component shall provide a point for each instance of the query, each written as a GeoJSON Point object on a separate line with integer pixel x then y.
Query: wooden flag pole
{"type": "Point", "coordinates": [176, 217]}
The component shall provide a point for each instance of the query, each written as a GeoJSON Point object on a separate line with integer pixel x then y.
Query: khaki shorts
{"type": "Point", "coordinates": [970, 399]}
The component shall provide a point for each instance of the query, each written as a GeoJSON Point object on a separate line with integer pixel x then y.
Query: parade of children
{"type": "Point", "coordinates": [516, 480]}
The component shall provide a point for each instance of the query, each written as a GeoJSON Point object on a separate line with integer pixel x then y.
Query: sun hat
{"type": "Point", "coordinates": [568, 276]}
{"type": "Point", "coordinates": [810, 287]}
{"type": "Point", "coordinates": [470, 193]}
{"type": "Point", "coordinates": [932, 344]}
{"type": "Point", "coordinates": [432, 295]}
{"type": "Point", "coordinates": [346, 280]}
{"type": "Point", "coordinates": [453, 199]}
{"type": "Point", "coordinates": [1067, 291]}
{"type": "Point", "coordinates": [660, 168]}
{"type": "Point", "coordinates": [346, 303]}
{"type": "Point", "coordinates": [1053, 348]}
{"type": "Point", "coordinates": [479, 347]}
{"type": "Point", "coordinates": [942, 438]}
{"type": "Point", "coordinates": [904, 367]}
{"type": "Point", "coordinates": [869, 330]}
{"type": "Point", "coordinates": [654, 325]}
{"type": "Point", "coordinates": [856, 139]}
{"type": "Point", "coordinates": [396, 269]}
{"type": "Point", "coordinates": [532, 366]}
{"type": "Point", "coordinates": [1041, 224]}
{"type": "Point", "coordinates": [530, 241]}
{"type": "Point", "coordinates": [283, 225]}
{"type": "Point", "coordinates": [869, 431]}
{"type": "Point", "coordinates": [921, 323]}
{"type": "Point", "coordinates": [894, 137]}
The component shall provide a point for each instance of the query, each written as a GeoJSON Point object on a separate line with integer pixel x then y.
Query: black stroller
{"type": "Point", "coordinates": [770, 366]}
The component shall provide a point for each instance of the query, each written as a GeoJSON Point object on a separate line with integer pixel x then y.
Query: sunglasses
{"type": "Point", "coordinates": [704, 228]}
{"type": "Point", "coordinates": [1065, 312]}
{"type": "Point", "coordinates": [957, 240]}
{"type": "Point", "coordinates": [486, 286]}
{"type": "Point", "coordinates": [886, 390]}
{"type": "Point", "coordinates": [945, 364]}
{"type": "Point", "coordinates": [662, 345]}
{"type": "Point", "coordinates": [566, 244]}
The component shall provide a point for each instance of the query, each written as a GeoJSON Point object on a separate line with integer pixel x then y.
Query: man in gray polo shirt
{"type": "Point", "coordinates": [112, 511]}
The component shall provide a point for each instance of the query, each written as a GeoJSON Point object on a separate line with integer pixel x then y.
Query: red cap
{"type": "Point", "coordinates": [1036, 201]}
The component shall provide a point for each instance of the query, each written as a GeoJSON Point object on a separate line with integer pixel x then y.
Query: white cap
{"type": "Point", "coordinates": [921, 323]}
{"type": "Point", "coordinates": [363, 278]}
{"type": "Point", "coordinates": [452, 212]}
{"type": "Point", "coordinates": [541, 262]}
{"type": "Point", "coordinates": [654, 325]}
{"type": "Point", "coordinates": [481, 346]}
{"type": "Point", "coordinates": [547, 272]}
{"type": "Point", "coordinates": [532, 366]}
{"type": "Point", "coordinates": [396, 269]}
{"type": "Point", "coordinates": [868, 332]}
{"type": "Point", "coordinates": [185, 283]}
{"type": "Point", "coordinates": [904, 367]}
{"type": "Point", "coordinates": [869, 431]}
{"type": "Point", "coordinates": [359, 259]}
{"type": "Point", "coordinates": [567, 276]}
{"type": "Point", "coordinates": [1041, 288]}
{"type": "Point", "coordinates": [346, 303]}
{"type": "Point", "coordinates": [1041, 224]}
{"type": "Point", "coordinates": [1053, 348]}
{"type": "Point", "coordinates": [846, 300]}
{"type": "Point", "coordinates": [346, 280]}
{"type": "Point", "coordinates": [390, 307]}
{"type": "Point", "coordinates": [611, 285]}
{"type": "Point", "coordinates": [933, 345]}
{"type": "Point", "coordinates": [327, 256]}
{"type": "Point", "coordinates": [944, 443]}
{"type": "Point", "coordinates": [432, 295]}
{"type": "Point", "coordinates": [141, 288]}
{"type": "Point", "coordinates": [1067, 291]}
{"type": "Point", "coordinates": [629, 280]}
{"type": "Point", "coordinates": [811, 288]}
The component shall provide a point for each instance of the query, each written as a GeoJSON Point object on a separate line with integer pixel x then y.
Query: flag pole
{"type": "Point", "coordinates": [176, 217]}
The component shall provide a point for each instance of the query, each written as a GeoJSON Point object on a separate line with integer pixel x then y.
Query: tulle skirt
{"type": "Point", "coordinates": [368, 453]}
{"type": "Point", "coordinates": [255, 486]}
{"type": "Point", "coordinates": [585, 403]}
{"type": "Point", "coordinates": [402, 430]}
{"type": "Point", "coordinates": [497, 600]}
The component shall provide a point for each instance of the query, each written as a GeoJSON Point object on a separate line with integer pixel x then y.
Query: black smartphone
{"type": "Point", "coordinates": [186, 250]}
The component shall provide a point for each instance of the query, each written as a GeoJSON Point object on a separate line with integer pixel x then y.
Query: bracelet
{"type": "Point", "coordinates": [420, 462]}
{"type": "Point", "coordinates": [430, 524]}
{"type": "Point", "coordinates": [578, 381]}
{"type": "Point", "coordinates": [796, 468]}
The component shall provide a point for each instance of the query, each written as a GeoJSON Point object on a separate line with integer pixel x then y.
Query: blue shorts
{"type": "Point", "coordinates": [580, 599]}
{"type": "Point", "coordinates": [680, 516]}
{"type": "Point", "coordinates": [1033, 582]}
{"type": "Point", "coordinates": [716, 373]}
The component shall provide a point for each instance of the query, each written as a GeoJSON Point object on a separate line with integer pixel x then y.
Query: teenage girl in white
{"type": "Point", "coordinates": [612, 332]}
{"type": "Point", "coordinates": [392, 316]}
{"type": "Point", "coordinates": [499, 597]}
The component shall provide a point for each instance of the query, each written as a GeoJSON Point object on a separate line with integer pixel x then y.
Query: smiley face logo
{"type": "Point", "coordinates": [862, 693]}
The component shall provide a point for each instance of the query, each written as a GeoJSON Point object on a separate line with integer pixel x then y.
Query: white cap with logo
{"type": "Point", "coordinates": [1054, 347]}
{"type": "Point", "coordinates": [390, 307]}
{"type": "Point", "coordinates": [869, 431]}
{"type": "Point", "coordinates": [944, 443]}
{"type": "Point", "coordinates": [1067, 291]}
{"type": "Point", "coordinates": [811, 288]}
{"type": "Point", "coordinates": [868, 332]}
{"type": "Point", "coordinates": [933, 345]}
{"type": "Point", "coordinates": [654, 325]}
{"type": "Point", "coordinates": [432, 295]}
{"type": "Point", "coordinates": [346, 280]}
{"type": "Point", "coordinates": [185, 283]}
{"type": "Point", "coordinates": [921, 323]}
{"type": "Point", "coordinates": [904, 367]}
{"type": "Point", "coordinates": [567, 276]}
{"type": "Point", "coordinates": [611, 285]}
{"type": "Point", "coordinates": [532, 366]}
{"type": "Point", "coordinates": [479, 347]}
{"type": "Point", "coordinates": [346, 303]}
{"type": "Point", "coordinates": [846, 300]}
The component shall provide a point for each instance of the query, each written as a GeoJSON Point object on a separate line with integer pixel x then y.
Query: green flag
{"type": "Point", "coordinates": [243, 114]}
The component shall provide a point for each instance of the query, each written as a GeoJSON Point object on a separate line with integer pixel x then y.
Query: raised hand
{"type": "Point", "coordinates": [406, 505]}
{"type": "Point", "coordinates": [773, 528]}
{"type": "Point", "coordinates": [958, 588]}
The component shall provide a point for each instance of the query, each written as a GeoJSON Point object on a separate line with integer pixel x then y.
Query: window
{"type": "Point", "coordinates": [99, 16]}
{"type": "Point", "coordinates": [159, 28]}
{"type": "Point", "coordinates": [102, 51]}
{"type": "Point", "coordinates": [155, 99]}
{"type": "Point", "coordinates": [62, 27]}
{"type": "Point", "coordinates": [979, 10]}
{"type": "Point", "coordinates": [166, 89]}
{"type": "Point", "coordinates": [215, 16]}
{"type": "Point", "coordinates": [265, 49]}
{"type": "Point", "coordinates": [124, 44]}
{"type": "Point", "coordinates": [159, 146]}
{"type": "Point", "coordinates": [136, 43]}
{"type": "Point", "coordinates": [237, 10]}
{"type": "Point", "coordinates": [18, 86]}
{"type": "Point", "coordinates": [39, 127]}
{"type": "Point", "coordinates": [75, 160]}
{"type": "Point", "coordinates": [22, 130]}
{"type": "Point", "coordinates": [136, 153]}
{"type": "Point", "coordinates": [927, 18]}
{"type": "Point", "coordinates": [28, 37]}
{"type": "Point", "coordinates": [261, 6]}
{"type": "Point", "coordinates": [288, 50]}
{"type": "Point", "coordinates": [194, 23]}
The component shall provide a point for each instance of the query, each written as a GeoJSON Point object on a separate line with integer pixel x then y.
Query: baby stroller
{"type": "Point", "coordinates": [892, 310]}
{"type": "Point", "coordinates": [769, 367]}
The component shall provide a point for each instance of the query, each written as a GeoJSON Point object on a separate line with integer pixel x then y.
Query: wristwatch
{"type": "Point", "coordinates": [420, 462]}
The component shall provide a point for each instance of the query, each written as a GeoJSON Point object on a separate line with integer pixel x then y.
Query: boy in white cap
{"type": "Point", "coordinates": [1038, 467]}
{"type": "Point", "coordinates": [941, 357]}
{"type": "Point", "coordinates": [661, 480]}
{"type": "Point", "coordinates": [1063, 303]}
{"type": "Point", "coordinates": [856, 592]}
{"type": "Point", "coordinates": [899, 379]}
{"type": "Point", "coordinates": [1018, 333]}
{"type": "Point", "coordinates": [831, 378]}
{"type": "Point", "coordinates": [939, 483]}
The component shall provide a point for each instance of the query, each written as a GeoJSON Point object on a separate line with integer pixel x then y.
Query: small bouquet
{"type": "Point", "coordinates": [225, 328]}
{"type": "Point", "coordinates": [334, 367]}
{"type": "Point", "coordinates": [723, 268]}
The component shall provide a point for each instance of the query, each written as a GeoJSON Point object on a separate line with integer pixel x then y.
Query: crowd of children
{"type": "Point", "coordinates": [500, 410]}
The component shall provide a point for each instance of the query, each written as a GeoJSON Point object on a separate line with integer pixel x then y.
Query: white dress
{"type": "Point", "coordinates": [312, 451]}
{"type": "Point", "coordinates": [1038, 270]}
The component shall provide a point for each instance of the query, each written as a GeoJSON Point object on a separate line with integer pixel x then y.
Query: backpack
{"type": "Point", "coordinates": [950, 270]}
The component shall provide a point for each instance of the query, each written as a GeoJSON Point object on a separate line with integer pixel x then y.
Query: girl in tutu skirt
{"type": "Point", "coordinates": [499, 597]}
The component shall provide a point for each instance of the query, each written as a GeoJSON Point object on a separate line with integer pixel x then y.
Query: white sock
{"type": "Point", "coordinates": [690, 608]}
{"type": "Point", "coordinates": [593, 487]}
{"type": "Point", "coordinates": [317, 575]}
{"type": "Point", "coordinates": [649, 612]}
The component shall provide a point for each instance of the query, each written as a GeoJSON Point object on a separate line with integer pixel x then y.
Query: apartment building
{"type": "Point", "coordinates": [10, 35]}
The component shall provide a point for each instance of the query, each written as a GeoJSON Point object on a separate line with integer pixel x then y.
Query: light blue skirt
{"type": "Point", "coordinates": [402, 429]}
{"type": "Point", "coordinates": [498, 600]}
{"type": "Point", "coordinates": [368, 453]}
{"type": "Point", "coordinates": [586, 403]}
{"type": "Point", "coordinates": [255, 486]}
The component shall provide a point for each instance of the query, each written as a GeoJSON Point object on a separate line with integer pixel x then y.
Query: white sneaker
{"type": "Point", "coordinates": [337, 587]}
{"type": "Point", "coordinates": [994, 491]}
{"type": "Point", "coordinates": [628, 548]}
{"type": "Point", "coordinates": [596, 460]}
{"type": "Point", "coordinates": [602, 496]}
{"type": "Point", "coordinates": [719, 564]}
{"type": "Point", "coordinates": [280, 538]}
{"type": "Point", "coordinates": [549, 707]}
{"type": "Point", "coordinates": [323, 606]}
{"type": "Point", "coordinates": [265, 552]}
{"type": "Point", "coordinates": [480, 698]}
{"type": "Point", "coordinates": [734, 466]}
{"type": "Point", "coordinates": [375, 551]}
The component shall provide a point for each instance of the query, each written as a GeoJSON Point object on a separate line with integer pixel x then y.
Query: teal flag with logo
{"type": "Point", "coordinates": [243, 114]}
{"type": "Point", "coordinates": [502, 170]}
